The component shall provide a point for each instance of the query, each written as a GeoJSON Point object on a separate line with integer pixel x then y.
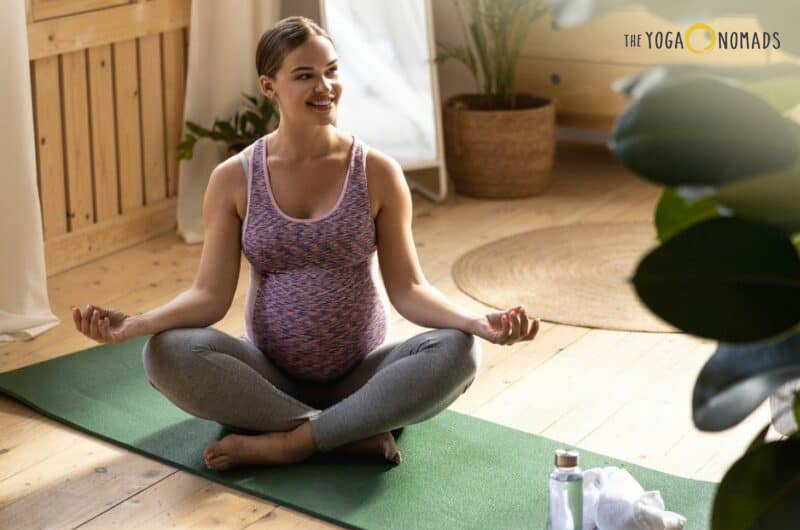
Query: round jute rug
{"type": "Point", "coordinates": [576, 274]}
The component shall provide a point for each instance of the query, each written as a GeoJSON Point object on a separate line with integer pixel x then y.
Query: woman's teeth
{"type": "Point", "coordinates": [321, 105]}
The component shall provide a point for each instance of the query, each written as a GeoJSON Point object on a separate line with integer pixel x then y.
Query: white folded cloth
{"type": "Point", "coordinates": [613, 500]}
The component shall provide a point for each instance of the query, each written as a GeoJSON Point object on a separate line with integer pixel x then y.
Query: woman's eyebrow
{"type": "Point", "coordinates": [309, 68]}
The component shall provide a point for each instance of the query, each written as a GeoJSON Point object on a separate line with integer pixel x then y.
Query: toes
{"type": "Point", "coordinates": [211, 450]}
{"type": "Point", "coordinates": [221, 464]}
{"type": "Point", "coordinates": [217, 464]}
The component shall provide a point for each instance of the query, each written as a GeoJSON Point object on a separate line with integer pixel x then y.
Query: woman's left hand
{"type": "Point", "coordinates": [506, 327]}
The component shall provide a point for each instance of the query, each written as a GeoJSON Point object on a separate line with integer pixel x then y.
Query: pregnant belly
{"type": "Point", "coordinates": [318, 326]}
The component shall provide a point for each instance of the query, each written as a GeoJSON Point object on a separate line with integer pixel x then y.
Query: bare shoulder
{"type": "Point", "coordinates": [231, 177]}
{"type": "Point", "coordinates": [385, 176]}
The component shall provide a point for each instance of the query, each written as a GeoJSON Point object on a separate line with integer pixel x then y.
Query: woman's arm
{"type": "Point", "coordinates": [192, 308]}
{"type": "Point", "coordinates": [210, 297]}
{"type": "Point", "coordinates": [409, 291]}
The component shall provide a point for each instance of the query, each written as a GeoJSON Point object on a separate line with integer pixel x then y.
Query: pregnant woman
{"type": "Point", "coordinates": [310, 207]}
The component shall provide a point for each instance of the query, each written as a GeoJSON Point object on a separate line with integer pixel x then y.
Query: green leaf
{"type": "Point", "coordinates": [761, 491]}
{"type": "Point", "coordinates": [772, 197]}
{"type": "Point", "coordinates": [739, 377]}
{"type": "Point", "coordinates": [461, 53]}
{"type": "Point", "coordinates": [255, 119]}
{"type": "Point", "coordinates": [483, 55]}
{"type": "Point", "coordinates": [251, 99]}
{"type": "Point", "coordinates": [226, 129]}
{"type": "Point", "coordinates": [186, 147]}
{"type": "Point", "coordinates": [702, 131]}
{"type": "Point", "coordinates": [796, 411]}
{"type": "Point", "coordinates": [782, 93]}
{"type": "Point", "coordinates": [724, 278]}
{"type": "Point", "coordinates": [776, 83]}
{"type": "Point", "coordinates": [197, 129]}
{"type": "Point", "coordinates": [674, 213]}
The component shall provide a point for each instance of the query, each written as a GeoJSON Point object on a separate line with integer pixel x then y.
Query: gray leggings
{"type": "Point", "coordinates": [213, 375]}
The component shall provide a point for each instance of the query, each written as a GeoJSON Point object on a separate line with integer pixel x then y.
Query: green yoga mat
{"type": "Point", "coordinates": [458, 471]}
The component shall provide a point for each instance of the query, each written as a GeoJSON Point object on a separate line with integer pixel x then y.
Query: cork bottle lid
{"type": "Point", "coordinates": [566, 458]}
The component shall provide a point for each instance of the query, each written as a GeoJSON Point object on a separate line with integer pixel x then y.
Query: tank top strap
{"type": "Point", "coordinates": [358, 177]}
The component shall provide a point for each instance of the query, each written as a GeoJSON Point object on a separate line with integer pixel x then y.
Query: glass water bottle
{"type": "Point", "coordinates": [565, 502]}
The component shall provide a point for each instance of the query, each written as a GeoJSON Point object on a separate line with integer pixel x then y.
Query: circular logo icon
{"type": "Point", "coordinates": [710, 31]}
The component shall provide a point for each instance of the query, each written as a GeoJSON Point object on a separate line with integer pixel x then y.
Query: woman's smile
{"type": "Point", "coordinates": [321, 108]}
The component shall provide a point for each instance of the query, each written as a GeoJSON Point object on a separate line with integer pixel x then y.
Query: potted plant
{"type": "Point", "coordinates": [722, 142]}
{"type": "Point", "coordinates": [238, 132]}
{"type": "Point", "coordinates": [498, 143]}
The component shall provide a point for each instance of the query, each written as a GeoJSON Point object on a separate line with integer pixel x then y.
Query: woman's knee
{"type": "Point", "coordinates": [164, 351]}
{"type": "Point", "coordinates": [462, 353]}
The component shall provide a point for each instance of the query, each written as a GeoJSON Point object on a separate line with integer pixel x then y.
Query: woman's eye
{"type": "Point", "coordinates": [302, 76]}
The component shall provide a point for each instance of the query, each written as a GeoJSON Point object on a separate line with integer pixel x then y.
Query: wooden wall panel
{"type": "Point", "coordinates": [174, 91]}
{"type": "Point", "coordinates": [577, 66]}
{"type": "Point", "coordinates": [152, 109]}
{"type": "Point", "coordinates": [43, 9]}
{"type": "Point", "coordinates": [108, 84]}
{"type": "Point", "coordinates": [129, 146]}
{"type": "Point", "coordinates": [576, 87]}
{"type": "Point", "coordinates": [50, 156]}
{"type": "Point", "coordinates": [106, 26]}
{"type": "Point", "coordinates": [80, 208]}
{"type": "Point", "coordinates": [104, 148]}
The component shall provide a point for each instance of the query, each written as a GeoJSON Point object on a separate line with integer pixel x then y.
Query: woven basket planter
{"type": "Point", "coordinates": [499, 154]}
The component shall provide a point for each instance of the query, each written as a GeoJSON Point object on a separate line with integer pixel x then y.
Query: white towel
{"type": "Point", "coordinates": [613, 500]}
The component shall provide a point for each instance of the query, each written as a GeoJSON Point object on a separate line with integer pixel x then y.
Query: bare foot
{"type": "Point", "coordinates": [270, 448]}
{"type": "Point", "coordinates": [382, 444]}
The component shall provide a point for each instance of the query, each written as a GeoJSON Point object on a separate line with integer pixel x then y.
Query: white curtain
{"type": "Point", "coordinates": [222, 46]}
{"type": "Point", "coordinates": [24, 306]}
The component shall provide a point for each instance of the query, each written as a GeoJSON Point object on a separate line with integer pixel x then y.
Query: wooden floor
{"type": "Point", "coordinates": [624, 394]}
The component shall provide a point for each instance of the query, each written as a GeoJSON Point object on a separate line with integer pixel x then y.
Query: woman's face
{"type": "Point", "coordinates": [308, 74]}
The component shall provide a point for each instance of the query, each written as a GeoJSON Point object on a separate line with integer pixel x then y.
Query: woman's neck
{"type": "Point", "coordinates": [304, 144]}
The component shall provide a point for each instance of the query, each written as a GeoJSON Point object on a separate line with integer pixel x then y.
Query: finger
{"type": "Point", "coordinates": [509, 329]}
{"type": "Point", "coordinates": [103, 329]}
{"type": "Point", "coordinates": [93, 325]}
{"type": "Point", "coordinates": [534, 329]}
{"type": "Point", "coordinates": [504, 333]}
{"type": "Point", "coordinates": [86, 320]}
{"type": "Point", "coordinates": [523, 324]}
{"type": "Point", "coordinates": [76, 317]}
{"type": "Point", "coordinates": [514, 326]}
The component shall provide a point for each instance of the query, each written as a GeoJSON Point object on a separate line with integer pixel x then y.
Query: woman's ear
{"type": "Point", "coordinates": [266, 86]}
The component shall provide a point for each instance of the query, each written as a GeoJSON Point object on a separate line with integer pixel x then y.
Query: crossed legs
{"type": "Point", "coordinates": [213, 375]}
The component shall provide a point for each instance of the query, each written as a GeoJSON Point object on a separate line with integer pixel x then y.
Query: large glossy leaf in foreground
{"type": "Point", "coordinates": [674, 213]}
{"type": "Point", "coordinates": [778, 83]}
{"type": "Point", "coordinates": [702, 131]}
{"type": "Point", "coordinates": [739, 377]}
{"type": "Point", "coordinates": [726, 278]}
{"type": "Point", "coordinates": [761, 491]}
{"type": "Point", "coordinates": [772, 197]}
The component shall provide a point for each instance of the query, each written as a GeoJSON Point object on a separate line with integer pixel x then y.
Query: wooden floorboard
{"type": "Point", "coordinates": [625, 394]}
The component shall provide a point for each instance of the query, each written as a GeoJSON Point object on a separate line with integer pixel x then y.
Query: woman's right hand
{"type": "Point", "coordinates": [104, 325]}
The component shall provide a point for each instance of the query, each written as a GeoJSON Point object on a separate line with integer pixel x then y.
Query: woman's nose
{"type": "Point", "coordinates": [327, 86]}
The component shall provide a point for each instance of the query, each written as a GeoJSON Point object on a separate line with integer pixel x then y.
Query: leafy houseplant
{"type": "Point", "coordinates": [499, 143]}
{"type": "Point", "coordinates": [238, 132]}
{"type": "Point", "coordinates": [722, 143]}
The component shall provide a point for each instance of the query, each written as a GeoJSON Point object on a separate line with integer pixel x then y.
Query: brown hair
{"type": "Point", "coordinates": [283, 37]}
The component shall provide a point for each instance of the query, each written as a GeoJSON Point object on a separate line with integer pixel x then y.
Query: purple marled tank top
{"type": "Point", "coordinates": [316, 304]}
